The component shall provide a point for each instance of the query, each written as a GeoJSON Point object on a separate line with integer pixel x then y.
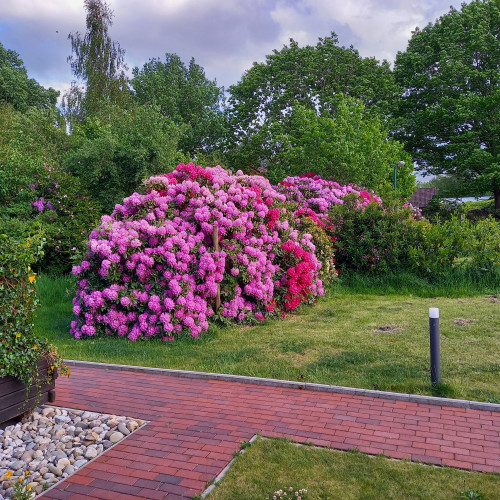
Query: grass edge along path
{"type": "Point", "coordinates": [271, 464]}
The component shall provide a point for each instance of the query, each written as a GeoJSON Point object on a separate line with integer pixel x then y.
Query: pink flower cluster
{"type": "Point", "coordinates": [152, 267]}
{"type": "Point", "coordinates": [299, 281]}
{"type": "Point", "coordinates": [314, 196]}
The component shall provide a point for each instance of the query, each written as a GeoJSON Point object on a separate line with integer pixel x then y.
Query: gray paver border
{"type": "Point", "coordinates": [414, 398]}
{"type": "Point", "coordinates": [225, 470]}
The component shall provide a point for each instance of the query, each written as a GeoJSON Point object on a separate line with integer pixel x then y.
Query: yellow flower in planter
{"type": "Point", "coordinates": [18, 335]}
{"type": "Point", "coordinates": [32, 278]}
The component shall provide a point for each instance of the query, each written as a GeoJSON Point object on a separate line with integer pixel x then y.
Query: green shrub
{"type": "Point", "coordinates": [324, 248]}
{"type": "Point", "coordinates": [116, 152]}
{"type": "Point", "coordinates": [26, 142]}
{"type": "Point", "coordinates": [20, 349]}
{"type": "Point", "coordinates": [374, 239]}
{"type": "Point", "coordinates": [67, 213]}
{"type": "Point", "coordinates": [458, 244]}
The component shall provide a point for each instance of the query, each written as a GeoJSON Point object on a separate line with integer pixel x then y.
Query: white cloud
{"type": "Point", "coordinates": [224, 37]}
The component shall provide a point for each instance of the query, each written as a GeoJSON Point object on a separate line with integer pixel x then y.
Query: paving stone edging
{"type": "Point", "coordinates": [415, 398]}
{"type": "Point", "coordinates": [225, 470]}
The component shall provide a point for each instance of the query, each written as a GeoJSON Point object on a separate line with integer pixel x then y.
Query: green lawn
{"type": "Point", "coordinates": [351, 339]}
{"type": "Point", "coordinates": [273, 464]}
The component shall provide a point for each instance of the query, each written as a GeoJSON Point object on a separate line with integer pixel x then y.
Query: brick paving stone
{"type": "Point", "coordinates": [196, 425]}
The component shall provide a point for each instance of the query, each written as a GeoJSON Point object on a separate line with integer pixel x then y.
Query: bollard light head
{"type": "Point", "coordinates": [433, 312]}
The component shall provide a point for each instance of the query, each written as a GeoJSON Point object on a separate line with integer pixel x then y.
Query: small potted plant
{"type": "Point", "coordinates": [28, 364]}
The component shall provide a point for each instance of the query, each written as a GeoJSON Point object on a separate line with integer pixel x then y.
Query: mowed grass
{"type": "Point", "coordinates": [351, 339]}
{"type": "Point", "coordinates": [273, 464]}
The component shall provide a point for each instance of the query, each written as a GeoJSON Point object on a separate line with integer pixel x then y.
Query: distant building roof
{"type": "Point", "coordinates": [421, 197]}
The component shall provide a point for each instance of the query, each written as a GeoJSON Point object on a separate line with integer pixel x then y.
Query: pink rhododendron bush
{"type": "Point", "coordinates": [155, 265]}
{"type": "Point", "coordinates": [314, 196]}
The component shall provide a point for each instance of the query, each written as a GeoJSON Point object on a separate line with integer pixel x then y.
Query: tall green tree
{"type": "Point", "coordinates": [449, 112]}
{"type": "Point", "coordinates": [353, 146]}
{"type": "Point", "coordinates": [185, 96]}
{"type": "Point", "coordinates": [316, 77]}
{"type": "Point", "coordinates": [97, 63]}
{"type": "Point", "coordinates": [17, 89]}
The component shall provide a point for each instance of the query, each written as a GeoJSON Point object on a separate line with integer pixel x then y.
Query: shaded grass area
{"type": "Point", "coordinates": [458, 282]}
{"type": "Point", "coordinates": [272, 464]}
{"type": "Point", "coordinates": [365, 340]}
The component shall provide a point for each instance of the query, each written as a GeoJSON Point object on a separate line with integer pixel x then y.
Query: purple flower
{"type": "Point", "coordinates": [39, 204]}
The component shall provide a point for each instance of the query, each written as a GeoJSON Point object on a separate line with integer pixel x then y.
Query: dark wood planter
{"type": "Point", "coordinates": [13, 402]}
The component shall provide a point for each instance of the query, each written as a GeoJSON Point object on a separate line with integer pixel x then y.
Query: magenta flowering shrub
{"type": "Point", "coordinates": [153, 268]}
{"type": "Point", "coordinates": [311, 199]}
{"type": "Point", "coordinates": [314, 196]}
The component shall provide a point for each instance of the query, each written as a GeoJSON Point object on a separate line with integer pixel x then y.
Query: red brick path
{"type": "Point", "coordinates": [196, 425]}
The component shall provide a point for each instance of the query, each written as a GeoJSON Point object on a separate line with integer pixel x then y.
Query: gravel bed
{"type": "Point", "coordinates": [53, 443]}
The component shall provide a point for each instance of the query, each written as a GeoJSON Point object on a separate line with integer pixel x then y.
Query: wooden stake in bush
{"type": "Point", "coordinates": [215, 239]}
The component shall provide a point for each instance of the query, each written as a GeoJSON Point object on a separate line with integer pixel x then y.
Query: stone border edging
{"type": "Point", "coordinates": [225, 471]}
{"type": "Point", "coordinates": [414, 398]}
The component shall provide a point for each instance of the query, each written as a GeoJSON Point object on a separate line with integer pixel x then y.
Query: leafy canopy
{"type": "Point", "coordinates": [448, 114]}
{"type": "Point", "coordinates": [310, 83]}
{"type": "Point", "coordinates": [186, 96]}
{"type": "Point", "coordinates": [314, 76]}
{"type": "Point", "coordinates": [98, 64]}
{"type": "Point", "coordinates": [27, 141]}
{"type": "Point", "coordinates": [115, 154]}
{"type": "Point", "coordinates": [19, 90]}
{"type": "Point", "coordinates": [350, 147]}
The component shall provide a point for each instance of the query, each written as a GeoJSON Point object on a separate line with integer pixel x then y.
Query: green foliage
{"type": "Point", "coordinates": [311, 75]}
{"type": "Point", "coordinates": [458, 244]}
{"type": "Point", "coordinates": [436, 209]}
{"type": "Point", "coordinates": [441, 209]}
{"type": "Point", "coordinates": [185, 96]}
{"type": "Point", "coordinates": [19, 90]}
{"type": "Point", "coordinates": [22, 488]}
{"type": "Point", "coordinates": [67, 214]}
{"type": "Point", "coordinates": [115, 154]}
{"type": "Point", "coordinates": [98, 63]}
{"type": "Point", "coordinates": [351, 146]}
{"type": "Point", "coordinates": [27, 141]}
{"type": "Point", "coordinates": [315, 77]}
{"type": "Point", "coordinates": [449, 108]}
{"type": "Point", "coordinates": [375, 239]}
{"type": "Point", "coordinates": [20, 349]}
{"type": "Point", "coordinates": [471, 495]}
{"type": "Point", "coordinates": [451, 186]}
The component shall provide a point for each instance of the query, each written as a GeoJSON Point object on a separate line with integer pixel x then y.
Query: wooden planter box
{"type": "Point", "coordinates": [13, 402]}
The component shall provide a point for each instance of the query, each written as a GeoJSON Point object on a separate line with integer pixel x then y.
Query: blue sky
{"type": "Point", "coordinates": [225, 37]}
